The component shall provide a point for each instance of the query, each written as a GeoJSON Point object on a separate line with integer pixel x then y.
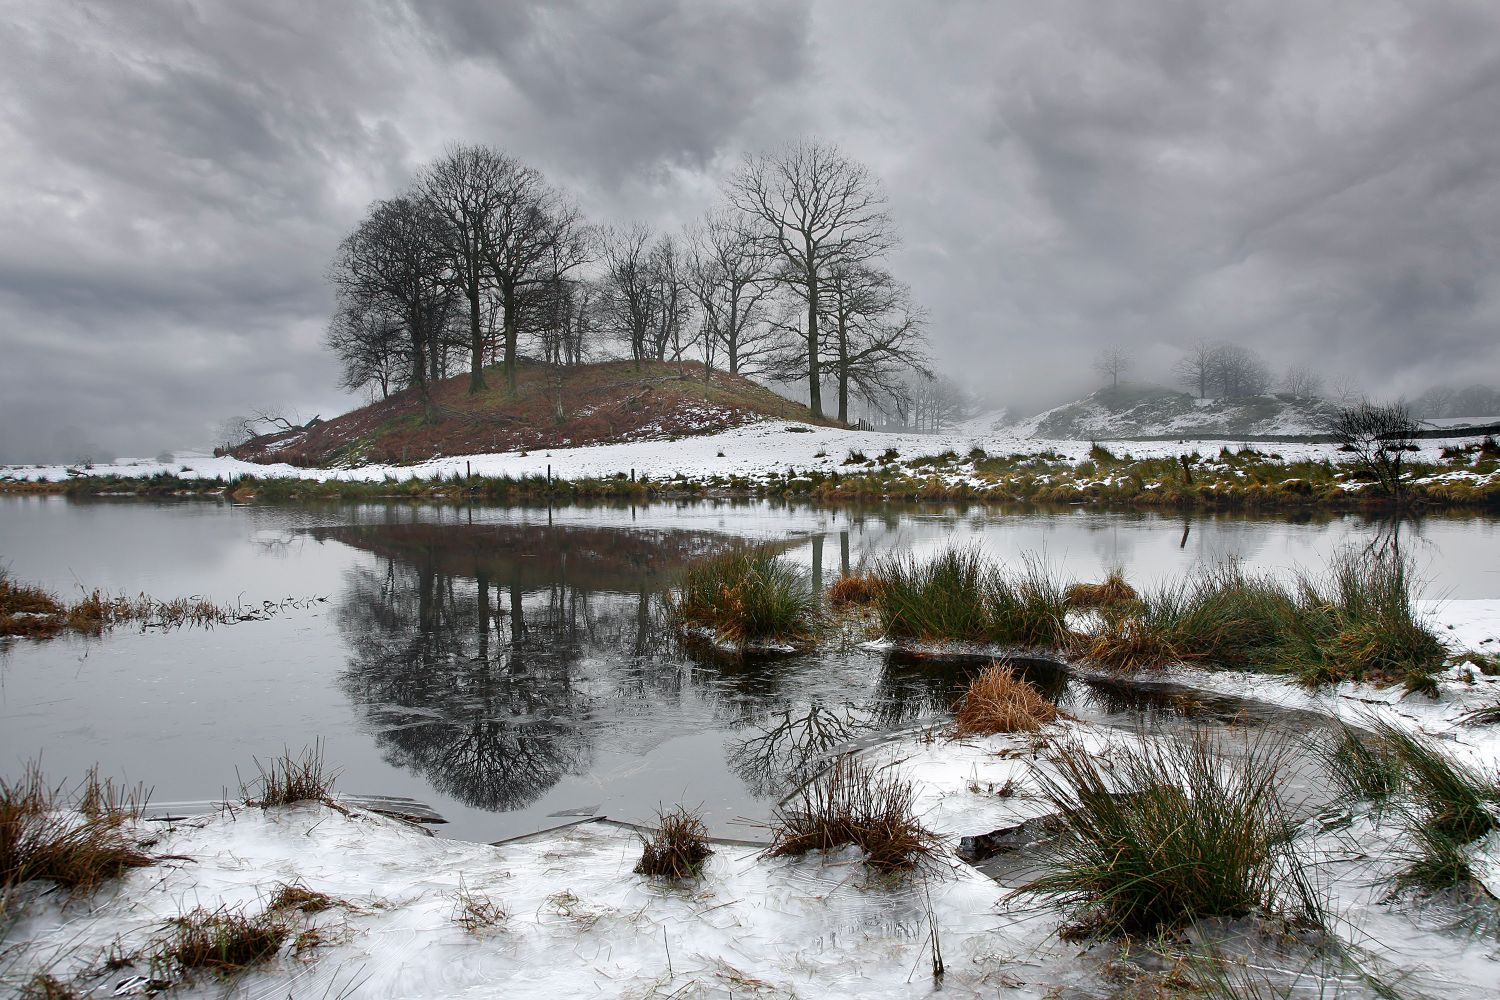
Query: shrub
{"type": "Point", "coordinates": [40, 838]}
{"type": "Point", "coordinates": [1000, 702]}
{"type": "Point", "coordinates": [1113, 592]}
{"type": "Point", "coordinates": [855, 803]}
{"type": "Point", "coordinates": [221, 941]}
{"type": "Point", "coordinates": [748, 595]}
{"type": "Point", "coordinates": [1162, 835]}
{"type": "Point", "coordinates": [677, 849]}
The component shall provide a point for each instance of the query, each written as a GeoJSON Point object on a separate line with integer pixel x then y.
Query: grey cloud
{"type": "Point", "coordinates": [1321, 181]}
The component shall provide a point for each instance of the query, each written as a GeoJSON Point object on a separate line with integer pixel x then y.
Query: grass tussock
{"type": "Point", "coordinates": [678, 848]}
{"type": "Point", "coordinates": [1113, 592]}
{"type": "Point", "coordinates": [296, 896]}
{"type": "Point", "coordinates": [287, 780]}
{"type": "Point", "coordinates": [46, 986]}
{"type": "Point", "coordinates": [1165, 834]}
{"type": "Point", "coordinates": [1000, 702]}
{"type": "Point", "coordinates": [1357, 622]}
{"type": "Point", "coordinates": [958, 595]}
{"type": "Point", "coordinates": [853, 588]}
{"type": "Point", "coordinates": [222, 942]}
{"type": "Point", "coordinates": [1361, 767]}
{"type": "Point", "coordinates": [475, 911]}
{"type": "Point", "coordinates": [77, 842]}
{"type": "Point", "coordinates": [856, 803]}
{"type": "Point", "coordinates": [746, 596]}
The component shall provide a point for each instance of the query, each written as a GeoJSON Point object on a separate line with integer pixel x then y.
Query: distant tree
{"type": "Point", "coordinates": [667, 272]}
{"type": "Point", "coordinates": [1378, 437]}
{"type": "Point", "coordinates": [1195, 369]}
{"type": "Point", "coordinates": [935, 402]}
{"type": "Point", "coordinates": [1112, 362]}
{"type": "Point", "coordinates": [1238, 372]}
{"type": "Point", "coordinates": [874, 334]}
{"type": "Point", "coordinates": [1301, 383]}
{"type": "Point", "coordinates": [811, 208]}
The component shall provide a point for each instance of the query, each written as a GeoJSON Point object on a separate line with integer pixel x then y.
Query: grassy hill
{"type": "Point", "coordinates": [611, 401]}
{"type": "Point", "coordinates": [1144, 410]}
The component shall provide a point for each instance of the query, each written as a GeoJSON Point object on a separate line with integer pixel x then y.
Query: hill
{"type": "Point", "coordinates": [604, 403]}
{"type": "Point", "coordinates": [1128, 411]}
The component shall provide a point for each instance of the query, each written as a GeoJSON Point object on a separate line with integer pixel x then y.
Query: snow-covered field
{"type": "Point", "coordinates": [754, 451]}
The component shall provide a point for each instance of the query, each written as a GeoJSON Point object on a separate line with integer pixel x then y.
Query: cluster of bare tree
{"type": "Point", "coordinates": [1448, 401]}
{"type": "Point", "coordinates": [1226, 371]}
{"type": "Point", "coordinates": [784, 281]}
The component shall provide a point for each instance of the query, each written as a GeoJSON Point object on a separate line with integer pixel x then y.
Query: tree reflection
{"type": "Point", "coordinates": [466, 644]}
{"type": "Point", "coordinates": [789, 744]}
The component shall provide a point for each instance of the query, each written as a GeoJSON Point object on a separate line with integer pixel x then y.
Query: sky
{"type": "Point", "coordinates": [1319, 181]}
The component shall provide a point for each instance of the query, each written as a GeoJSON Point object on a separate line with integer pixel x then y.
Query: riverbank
{"type": "Point", "coordinates": [783, 459]}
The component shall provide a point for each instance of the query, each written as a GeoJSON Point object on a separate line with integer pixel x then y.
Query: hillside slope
{"type": "Point", "coordinates": [602, 403]}
{"type": "Point", "coordinates": [1142, 410]}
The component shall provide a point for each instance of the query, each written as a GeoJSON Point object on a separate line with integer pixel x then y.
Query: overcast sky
{"type": "Point", "coordinates": [1318, 180]}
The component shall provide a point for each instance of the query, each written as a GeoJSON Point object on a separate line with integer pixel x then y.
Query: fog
{"type": "Point", "coordinates": [1317, 181]}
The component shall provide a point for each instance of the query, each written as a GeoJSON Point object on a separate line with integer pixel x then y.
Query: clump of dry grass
{"type": "Point", "coordinates": [853, 588]}
{"type": "Point", "coordinates": [78, 848]}
{"type": "Point", "coordinates": [476, 912]}
{"type": "Point", "coordinates": [296, 896]}
{"type": "Point", "coordinates": [1000, 702]}
{"type": "Point", "coordinates": [35, 613]}
{"type": "Point", "coordinates": [289, 780]}
{"type": "Point", "coordinates": [856, 803]}
{"type": "Point", "coordinates": [46, 986]}
{"type": "Point", "coordinates": [1112, 593]}
{"type": "Point", "coordinates": [750, 595]}
{"type": "Point", "coordinates": [221, 941]}
{"type": "Point", "coordinates": [1163, 835]}
{"type": "Point", "coordinates": [677, 849]}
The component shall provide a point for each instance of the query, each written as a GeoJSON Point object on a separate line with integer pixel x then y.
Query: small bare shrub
{"type": "Point", "coordinates": [1000, 702]}
{"type": "Point", "coordinates": [677, 849]}
{"type": "Point", "coordinates": [856, 803]}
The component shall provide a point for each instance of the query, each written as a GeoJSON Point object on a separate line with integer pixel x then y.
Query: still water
{"type": "Point", "coordinates": [513, 667]}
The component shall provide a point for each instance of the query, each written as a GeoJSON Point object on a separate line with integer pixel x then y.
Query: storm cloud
{"type": "Point", "coordinates": [1318, 181]}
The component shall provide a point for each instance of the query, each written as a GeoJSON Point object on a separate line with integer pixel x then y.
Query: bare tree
{"type": "Point", "coordinates": [370, 344]}
{"type": "Point", "coordinates": [1195, 369]}
{"type": "Point", "coordinates": [732, 281]}
{"type": "Point", "coordinates": [464, 187]}
{"type": "Point", "coordinates": [1378, 436]}
{"type": "Point", "coordinates": [1239, 372]}
{"type": "Point", "coordinates": [874, 341]}
{"type": "Point", "coordinates": [627, 287]}
{"type": "Point", "coordinates": [1112, 362]}
{"type": "Point", "coordinates": [1301, 383]}
{"type": "Point", "coordinates": [811, 208]}
{"type": "Point", "coordinates": [394, 263]}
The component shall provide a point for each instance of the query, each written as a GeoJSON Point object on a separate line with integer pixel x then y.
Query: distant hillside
{"type": "Point", "coordinates": [1147, 411]}
{"type": "Point", "coordinates": [601, 403]}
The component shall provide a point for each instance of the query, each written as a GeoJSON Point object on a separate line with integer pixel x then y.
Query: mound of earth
{"type": "Point", "coordinates": [602, 403]}
{"type": "Point", "coordinates": [1129, 411]}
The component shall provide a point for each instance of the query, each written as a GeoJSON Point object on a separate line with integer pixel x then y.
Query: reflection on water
{"type": "Point", "coordinates": [510, 666]}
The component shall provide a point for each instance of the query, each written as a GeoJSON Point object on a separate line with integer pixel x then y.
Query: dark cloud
{"type": "Point", "coordinates": [1321, 181]}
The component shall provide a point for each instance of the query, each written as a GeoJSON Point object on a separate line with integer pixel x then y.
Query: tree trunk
{"type": "Point", "coordinates": [512, 333]}
{"type": "Point", "coordinates": [476, 343]}
{"type": "Point", "coordinates": [814, 389]}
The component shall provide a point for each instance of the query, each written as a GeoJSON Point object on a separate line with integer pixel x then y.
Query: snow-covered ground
{"type": "Point", "coordinates": [754, 451]}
